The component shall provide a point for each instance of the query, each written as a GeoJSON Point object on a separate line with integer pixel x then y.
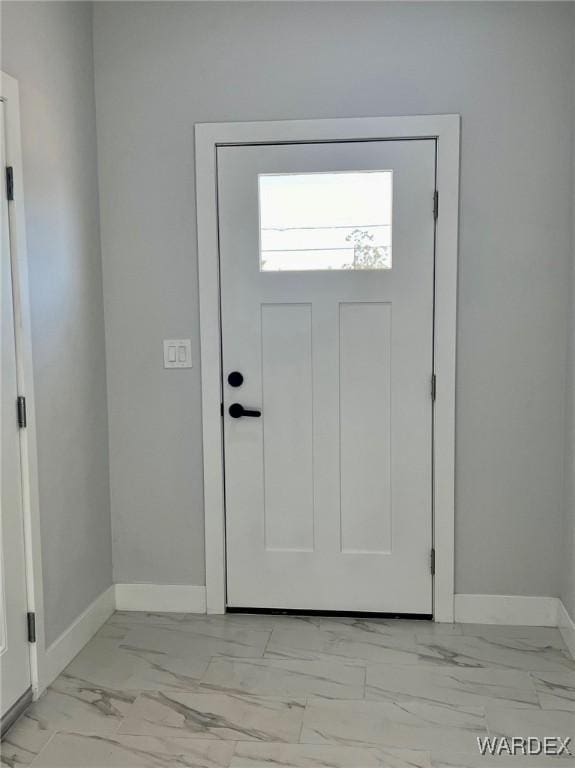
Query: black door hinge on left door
{"type": "Point", "coordinates": [10, 182]}
{"type": "Point", "coordinates": [432, 562]}
{"type": "Point", "coordinates": [21, 411]}
{"type": "Point", "coordinates": [31, 618]}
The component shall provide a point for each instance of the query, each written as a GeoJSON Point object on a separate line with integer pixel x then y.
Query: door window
{"type": "Point", "coordinates": [325, 221]}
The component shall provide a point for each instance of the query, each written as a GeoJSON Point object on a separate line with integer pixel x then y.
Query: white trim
{"type": "Point", "coordinates": [160, 598]}
{"type": "Point", "coordinates": [445, 318]}
{"type": "Point", "coordinates": [507, 609]}
{"type": "Point", "coordinates": [168, 598]}
{"type": "Point", "coordinates": [566, 627]}
{"type": "Point", "coordinates": [28, 451]}
{"type": "Point", "coordinates": [73, 639]}
{"type": "Point", "coordinates": [446, 129]}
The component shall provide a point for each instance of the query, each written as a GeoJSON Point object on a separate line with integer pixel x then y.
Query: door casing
{"type": "Point", "coordinates": [446, 130]}
{"type": "Point", "coordinates": [9, 94]}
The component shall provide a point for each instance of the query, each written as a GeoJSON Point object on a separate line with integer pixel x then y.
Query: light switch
{"type": "Point", "coordinates": [177, 353]}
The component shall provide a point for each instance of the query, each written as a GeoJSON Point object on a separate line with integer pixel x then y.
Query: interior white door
{"type": "Point", "coordinates": [327, 263]}
{"type": "Point", "coordinates": [14, 649]}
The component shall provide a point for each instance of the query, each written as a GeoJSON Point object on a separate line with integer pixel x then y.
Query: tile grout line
{"type": "Point", "coordinates": [52, 737]}
{"type": "Point", "coordinates": [299, 741]}
{"type": "Point", "coordinates": [267, 644]}
{"type": "Point", "coordinates": [530, 674]}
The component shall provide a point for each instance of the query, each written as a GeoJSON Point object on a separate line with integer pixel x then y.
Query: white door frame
{"type": "Point", "coordinates": [446, 130]}
{"type": "Point", "coordinates": [28, 452]}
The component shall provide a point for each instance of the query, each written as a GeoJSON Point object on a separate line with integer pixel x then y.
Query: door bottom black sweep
{"type": "Point", "coordinates": [342, 614]}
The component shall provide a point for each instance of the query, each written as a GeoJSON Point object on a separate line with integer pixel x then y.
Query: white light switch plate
{"type": "Point", "coordinates": [177, 353]}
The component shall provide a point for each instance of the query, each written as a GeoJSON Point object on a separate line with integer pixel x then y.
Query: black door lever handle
{"type": "Point", "coordinates": [236, 411]}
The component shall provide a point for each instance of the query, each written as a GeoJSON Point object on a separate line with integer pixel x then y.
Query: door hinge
{"type": "Point", "coordinates": [10, 182]}
{"type": "Point", "coordinates": [433, 386]}
{"type": "Point", "coordinates": [221, 409]}
{"type": "Point", "coordinates": [21, 411]}
{"type": "Point", "coordinates": [436, 204]}
{"type": "Point", "coordinates": [432, 562]}
{"type": "Point", "coordinates": [31, 618]}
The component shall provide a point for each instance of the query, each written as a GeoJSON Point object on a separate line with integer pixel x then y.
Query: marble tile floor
{"type": "Point", "coordinates": [238, 691]}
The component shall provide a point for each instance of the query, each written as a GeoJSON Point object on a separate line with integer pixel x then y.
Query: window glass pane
{"type": "Point", "coordinates": [325, 220]}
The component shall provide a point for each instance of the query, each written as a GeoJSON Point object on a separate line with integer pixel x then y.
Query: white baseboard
{"type": "Point", "coordinates": [161, 598]}
{"type": "Point", "coordinates": [180, 598]}
{"type": "Point", "coordinates": [507, 609]}
{"type": "Point", "coordinates": [566, 627]}
{"type": "Point", "coordinates": [61, 652]}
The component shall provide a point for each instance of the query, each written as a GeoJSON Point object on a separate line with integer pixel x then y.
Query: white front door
{"type": "Point", "coordinates": [327, 264]}
{"type": "Point", "coordinates": [14, 648]}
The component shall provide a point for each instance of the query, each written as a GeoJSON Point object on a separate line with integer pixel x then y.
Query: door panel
{"type": "Point", "coordinates": [365, 426]}
{"type": "Point", "coordinates": [287, 391]}
{"type": "Point", "coordinates": [326, 257]}
{"type": "Point", "coordinates": [14, 654]}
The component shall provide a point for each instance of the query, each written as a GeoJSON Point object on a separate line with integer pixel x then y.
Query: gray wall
{"type": "Point", "coordinates": [568, 582]}
{"type": "Point", "coordinates": [48, 48]}
{"type": "Point", "coordinates": [507, 68]}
